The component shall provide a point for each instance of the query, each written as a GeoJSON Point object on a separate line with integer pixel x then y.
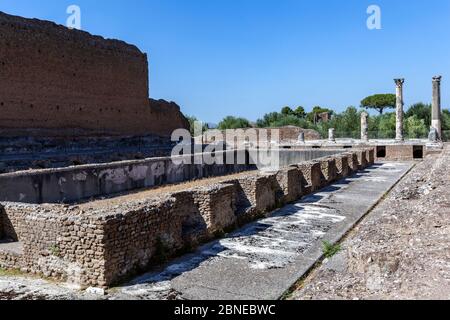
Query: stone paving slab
{"type": "Point", "coordinates": [264, 259]}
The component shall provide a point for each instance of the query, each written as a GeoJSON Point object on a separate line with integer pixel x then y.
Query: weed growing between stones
{"type": "Point", "coordinates": [329, 249]}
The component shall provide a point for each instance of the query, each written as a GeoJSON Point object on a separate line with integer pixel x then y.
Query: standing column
{"type": "Point", "coordinates": [331, 135]}
{"type": "Point", "coordinates": [364, 127]}
{"type": "Point", "coordinates": [399, 122]}
{"type": "Point", "coordinates": [436, 120]}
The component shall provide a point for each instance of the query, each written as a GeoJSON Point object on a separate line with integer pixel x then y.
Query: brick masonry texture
{"type": "Point", "coordinates": [54, 80]}
{"type": "Point", "coordinates": [103, 246]}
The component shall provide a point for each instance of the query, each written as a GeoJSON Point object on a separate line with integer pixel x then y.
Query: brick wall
{"type": "Point", "coordinates": [58, 80]}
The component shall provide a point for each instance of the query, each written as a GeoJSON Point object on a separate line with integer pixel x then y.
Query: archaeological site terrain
{"type": "Point", "coordinates": [95, 205]}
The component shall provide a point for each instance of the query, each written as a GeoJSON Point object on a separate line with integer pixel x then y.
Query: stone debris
{"type": "Point", "coordinates": [401, 250]}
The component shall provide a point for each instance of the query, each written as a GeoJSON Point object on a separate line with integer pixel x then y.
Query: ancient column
{"type": "Point", "coordinates": [331, 135]}
{"type": "Point", "coordinates": [399, 122]}
{"type": "Point", "coordinates": [364, 127]}
{"type": "Point", "coordinates": [436, 124]}
{"type": "Point", "coordinates": [301, 137]}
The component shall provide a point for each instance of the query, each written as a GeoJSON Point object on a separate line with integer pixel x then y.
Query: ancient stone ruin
{"type": "Point", "coordinates": [66, 95]}
{"type": "Point", "coordinates": [56, 81]}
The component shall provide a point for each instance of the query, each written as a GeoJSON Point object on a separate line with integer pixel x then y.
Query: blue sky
{"type": "Point", "coordinates": [248, 57]}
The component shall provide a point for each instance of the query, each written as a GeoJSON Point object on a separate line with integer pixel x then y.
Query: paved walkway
{"type": "Point", "coordinates": [264, 259]}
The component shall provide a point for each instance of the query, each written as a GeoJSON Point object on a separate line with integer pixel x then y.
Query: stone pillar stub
{"type": "Point", "coordinates": [399, 109]}
{"type": "Point", "coordinates": [436, 116]}
{"type": "Point", "coordinates": [331, 135]}
{"type": "Point", "coordinates": [301, 137]}
{"type": "Point", "coordinates": [364, 127]}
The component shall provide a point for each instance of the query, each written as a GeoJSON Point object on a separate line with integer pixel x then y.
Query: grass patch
{"type": "Point", "coordinates": [54, 251]}
{"type": "Point", "coordinates": [10, 272]}
{"type": "Point", "coordinates": [329, 249]}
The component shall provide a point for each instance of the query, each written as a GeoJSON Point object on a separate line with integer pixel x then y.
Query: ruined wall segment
{"type": "Point", "coordinates": [64, 81]}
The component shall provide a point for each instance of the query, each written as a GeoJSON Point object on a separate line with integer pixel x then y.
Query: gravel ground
{"type": "Point", "coordinates": [402, 248]}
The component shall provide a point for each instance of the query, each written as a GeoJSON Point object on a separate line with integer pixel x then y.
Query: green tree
{"type": "Point", "coordinates": [386, 126]}
{"type": "Point", "coordinates": [348, 123]}
{"type": "Point", "coordinates": [192, 120]}
{"type": "Point", "coordinates": [416, 127]}
{"type": "Point", "coordinates": [445, 119]}
{"type": "Point", "coordinates": [300, 112]}
{"type": "Point", "coordinates": [231, 122]}
{"type": "Point", "coordinates": [289, 120]}
{"type": "Point", "coordinates": [379, 102]}
{"type": "Point", "coordinates": [287, 111]}
{"type": "Point", "coordinates": [422, 111]}
{"type": "Point", "coordinates": [267, 119]}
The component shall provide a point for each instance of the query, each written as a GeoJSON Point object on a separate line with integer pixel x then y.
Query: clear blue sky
{"type": "Point", "coordinates": [248, 57]}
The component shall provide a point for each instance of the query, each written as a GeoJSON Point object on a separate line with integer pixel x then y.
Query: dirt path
{"type": "Point", "coordinates": [401, 250]}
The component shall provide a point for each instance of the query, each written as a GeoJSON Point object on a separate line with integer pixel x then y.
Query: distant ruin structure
{"type": "Point", "coordinates": [436, 117]}
{"type": "Point", "coordinates": [364, 127]}
{"type": "Point", "coordinates": [331, 135]}
{"type": "Point", "coordinates": [399, 110]}
{"type": "Point", "coordinates": [57, 81]}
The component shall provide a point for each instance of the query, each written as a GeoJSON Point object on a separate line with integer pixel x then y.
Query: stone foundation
{"type": "Point", "coordinates": [342, 165]}
{"type": "Point", "coordinates": [329, 171]}
{"type": "Point", "coordinates": [102, 245]}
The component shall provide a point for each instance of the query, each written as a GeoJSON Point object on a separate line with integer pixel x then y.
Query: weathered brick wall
{"type": "Point", "coordinates": [343, 169]}
{"type": "Point", "coordinates": [362, 158]}
{"type": "Point", "coordinates": [371, 156]}
{"type": "Point", "coordinates": [59, 243]}
{"type": "Point", "coordinates": [135, 236]}
{"type": "Point", "coordinates": [255, 194]}
{"type": "Point", "coordinates": [57, 80]}
{"type": "Point", "coordinates": [329, 171]}
{"type": "Point", "coordinates": [217, 206]}
{"type": "Point", "coordinates": [353, 163]}
{"type": "Point", "coordinates": [399, 152]}
{"type": "Point", "coordinates": [312, 175]}
{"type": "Point", "coordinates": [289, 185]}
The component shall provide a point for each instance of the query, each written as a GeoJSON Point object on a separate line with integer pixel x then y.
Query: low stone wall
{"type": "Point", "coordinates": [342, 165]}
{"type": "Point", "coordinates": [312, 176]}
{"type": "Point", "coordinates": [353, 161]}
{"type": "Point", "coordinates": [89, 245]}
{"type": "Point", "coordinates": [329, 170]}
{"type": "Point", "coordinates": [72, 184]}
{"type": "Point", "coordinates": [290, 186]}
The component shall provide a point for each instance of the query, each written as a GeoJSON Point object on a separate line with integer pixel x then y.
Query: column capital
{"type": "Point", "coordinates": [437, 78]}
{"type": "Point", "coordinates": [399, 82]}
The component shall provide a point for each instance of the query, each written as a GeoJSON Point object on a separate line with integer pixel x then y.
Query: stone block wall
{"type": "Point", "coordinates": [83, 182]}
{"type": "Point", "coordinates": [353, 163]}
{"type": "Point", "coordinates": [329, 171]}
{"type": "Point", "coordinates": [312, 175]}
{"type": "Point", "coordinates": [255, 194]}
{"type": "Point", "coordinates": [371, 156]}
{"type": "Point", "coordinates": [289, 185]}
{"type": "Point", "coordinates": [399, 152]}
{"type": "Point", "coordinates": [58, 243]}
{"type": "Point", "coordinates": [102, 245]}
{"type": "Point", "coordinates": [362, 159]}
{"type": "Point", "coordinates": [217, 206]}
{"type": "Point", "coordinates": [342, 165]}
